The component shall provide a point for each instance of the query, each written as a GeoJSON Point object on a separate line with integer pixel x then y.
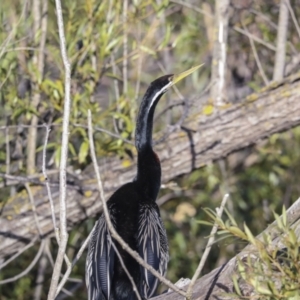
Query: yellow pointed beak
{"type": "Point", "coordinates": [180, 76]}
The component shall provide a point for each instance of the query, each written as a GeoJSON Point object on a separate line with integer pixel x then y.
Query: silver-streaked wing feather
{"type": "Point", "coordinates": [153, 247]}
{"type": "Point", "coordinates": [100, 263]}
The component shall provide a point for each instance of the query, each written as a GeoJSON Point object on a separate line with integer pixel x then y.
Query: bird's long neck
{"type": "Point", "coordinates": [149, 171]}
{"type": "Point", "coordinates": [143, 133]}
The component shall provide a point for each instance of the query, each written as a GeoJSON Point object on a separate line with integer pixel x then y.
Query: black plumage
{"type": "Point", "coordinates": [135, 216]}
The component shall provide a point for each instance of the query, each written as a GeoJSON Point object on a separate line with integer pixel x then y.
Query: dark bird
{"type": "Point", "coordinates": [135, 216]}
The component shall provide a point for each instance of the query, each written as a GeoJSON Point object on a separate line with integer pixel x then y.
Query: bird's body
{"type": "Point", "coordinates": [136, 218]}
{"type": "Point", "coordinates": [128, 218]}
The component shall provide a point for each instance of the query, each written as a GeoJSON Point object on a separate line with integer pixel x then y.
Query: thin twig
{"type": "Point", "coordinates": [71, 266]}
{"type": "Point", "coordinates": [201, 11]}
{"type": "Point", "coordinates": [261, 70]}
{"type": "Point", "coordinates": [97, 128]}
{"type": "Point", "coordinates": [295, 21]}
{"type": "Point", "coordinates": [36, 220]}
{"type": "Point", "coordinates": [255, 38]}
{"type": "Point", "coordinates": [263, 17]}
{"type": "Point", "coordinates": [169, 107]}
{"type": "Point", "coordinates": [41, 274]}
{"type": "Point", "coordinates": [218, 92]}
{"type": "Point", "coordinates": [63, 158]}
{"type": "Point", "coordinates": [40, 23]}
{"type": "Point", "coordinates": [109, 19]}
{"type": "Point", "coordinates": [12, 258]}
{"type": "Point", "coordinates": [139, 63]}
{"type": "Point", "coordinates": [125, 48]}
{"type": "Point", "coordinates": [178, 124]}
{"type": "Point", "coordinates": [44, 170]}
{"type": "Point", "coordinates": [34, 179]}
{"type": "Point", "coordinates": [13, 31]}
{"type": "Point", "coordinates": [6, 77]}
{"type": "Point", "coordinates": [47, 183]}
{"type": "Point", "coordinates": [28, 269]}
{"type": "Point", "coordinates": [193, 7]}
{"type": "Point", "coordinates": [25, 126]}
{"type": "Point", "coordinates": [111, 228]}
{"type": "Point", "coordinates": [7, 157]}
{"type": "Point", "coordinates": [278, 72]}
{"type": "Point", "coordinates": [115, 135]}
{"type": "Point", "coordinates": [207, 249]}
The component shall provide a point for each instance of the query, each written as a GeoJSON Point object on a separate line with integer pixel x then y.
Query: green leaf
{"type": "Point", "coordinates": [83, 151]}
{"type": "Point", "coordinates": [232, 220]}
{"type": "Point", "coordinates": [147, 50]}
{"type": "Point", "coordinates": [284, 220]}
{"type": "Point", "coordinates": [237, 232]}
{"type": "Point", "coordinates": [205, 223]}
{"type": "Point", "coordinates": [57, 156]}
{"type": "Point", "coordinates": [72, 149]}
{"type": "Point", "coordinates": [249, 235]}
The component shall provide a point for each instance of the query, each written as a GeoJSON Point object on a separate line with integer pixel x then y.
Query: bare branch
{"type": "Point", "coordinates": [261, 70]}
{"type": "Point", "coordinates": [207, 249]}
{"type": "Point", "coordinates": [64, 156]}
{"type": "Point", "coordinates": [218, 89]}
{"type": "Point", "coordinates": [48, 190]}
{"type": "Point", "coordinates": [44, 170]}
{"type": "Point", "coordinates": [7, 157]}
{"type": "Point", "coordinates": [281, 41]}
{"type": "Point", "coordinates": [35, 179]}
{"type": "Point", "coordinates": [97, 128]}
{"type": "Point", "coordinates": [13, 31]}
{"type": "Point", "coordinates": [28, 189]}
{"type": "Point", "coordinates": [255, 38]}
{"type": "Point", "coordinates": [291, 10]}
{"type": "Point", "coordinates": [204, 12]}
{"type": "Point", "coordinates": [194, 7]}
{"type": "Point", "coordinates": [71, 266]}
{"type": "Point", "coordinates": [41, 274]}
{"type": "Point", "coordinates": [28, 269]}
{"type": "Point", "coordinates": [39, 25]}
{"type": "Point", "coordinates": [12, 258]}
{"type": "Point", "coordinates": [125, 48]}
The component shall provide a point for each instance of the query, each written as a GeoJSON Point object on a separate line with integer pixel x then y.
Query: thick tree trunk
{"type": "Point", "coordinates": [205, 138]}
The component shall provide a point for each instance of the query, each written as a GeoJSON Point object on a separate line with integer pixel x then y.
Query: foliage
{"type": "Point", "coordinates": [271, 272]}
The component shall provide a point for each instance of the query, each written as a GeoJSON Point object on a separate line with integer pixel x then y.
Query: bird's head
{"type": "Point", "coordinates": [145, 117]}
{"type": "Point", "coordinates": [163, 84]}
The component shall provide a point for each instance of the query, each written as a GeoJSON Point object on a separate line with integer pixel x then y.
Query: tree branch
{"type": "Point", "coordinates": [64, 157]}
{"type": "Point", "coordinates": [218, 65]}
{"type": "Point", "coordinates": [210, 242]}
{"type": "Point", "coordinates": [209, 138]}
{"type": "Point", "coordinates": [39, 25]}
{"type": "Point", "coordinates": [281, 41]}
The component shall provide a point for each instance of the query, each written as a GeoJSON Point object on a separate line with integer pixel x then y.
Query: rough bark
{"type": "Point", "coordinates": [205, 138]}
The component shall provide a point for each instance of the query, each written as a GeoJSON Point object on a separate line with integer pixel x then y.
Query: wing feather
{"type": "Point", "coordinates": [153, 247]}
{"type": "Point", "coordinates": [100, 262]}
